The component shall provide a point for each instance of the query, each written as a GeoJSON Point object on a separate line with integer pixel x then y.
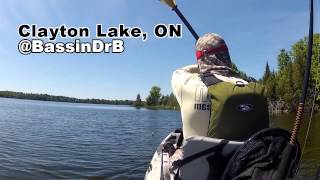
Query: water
{"type": "Point", "coordinates": [41, 140]}
{"type": "Point", "coordinates": [311, 154]}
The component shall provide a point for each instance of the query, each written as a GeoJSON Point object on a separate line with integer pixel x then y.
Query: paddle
{"type": "Point", "coordinates": [172, 4]}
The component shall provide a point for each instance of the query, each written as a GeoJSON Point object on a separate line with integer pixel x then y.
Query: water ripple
{"type": "Point", "coordinates": [46, 140]}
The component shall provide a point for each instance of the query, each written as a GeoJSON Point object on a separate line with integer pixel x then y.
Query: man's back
{"type": "Point", "coordinates": [192, 95]}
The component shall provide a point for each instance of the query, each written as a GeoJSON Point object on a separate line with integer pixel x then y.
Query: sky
{"type": "Point", "coordinates": [254, 31]}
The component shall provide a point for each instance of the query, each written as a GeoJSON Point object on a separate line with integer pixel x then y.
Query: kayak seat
{"type": "Point", "coordinates": [205, 158]}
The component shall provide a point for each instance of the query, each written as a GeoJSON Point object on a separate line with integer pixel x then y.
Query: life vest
{"type": "Point", "coordinates": [237, 110]}
{"type": "Point", "coordinates": [192, 96]}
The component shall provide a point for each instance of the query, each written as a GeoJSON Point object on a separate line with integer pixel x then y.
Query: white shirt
{"type": "Point", "coordinates": [195, 104]}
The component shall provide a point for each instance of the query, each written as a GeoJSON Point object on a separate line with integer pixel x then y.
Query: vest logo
{"type": "Point", "coordinates": [201, 95]}
{"type": "Point", "coordinates": [245, 107]}
{"type": "Point", "coordinates": [202, 107]}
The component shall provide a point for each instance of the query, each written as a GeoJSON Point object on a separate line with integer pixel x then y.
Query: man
{"type": "Point", "coordinates": [190, 86]}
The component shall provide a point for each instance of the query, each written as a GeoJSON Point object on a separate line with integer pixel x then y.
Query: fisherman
{"type": "Point", "coordinates": [212, 96]}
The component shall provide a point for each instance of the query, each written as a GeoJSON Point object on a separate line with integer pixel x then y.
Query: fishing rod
{"type": "Point", "coordinates": [285, 161]}
{"type": "Point", "coordinates": [172, 4]}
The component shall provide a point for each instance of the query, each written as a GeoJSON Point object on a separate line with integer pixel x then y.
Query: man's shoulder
{"type": "Point", "coordinates": [185, 73]}
{"type": "Point", "coordinates": [192, 69]}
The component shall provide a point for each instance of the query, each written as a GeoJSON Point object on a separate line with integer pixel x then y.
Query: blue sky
{"type": "Point", "coordinates": [254, 30]}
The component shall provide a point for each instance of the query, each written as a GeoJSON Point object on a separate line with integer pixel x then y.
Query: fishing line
{"type": "Point", "coordinates": [314, 98]}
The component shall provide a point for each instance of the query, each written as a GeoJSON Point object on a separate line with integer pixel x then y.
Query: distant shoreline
{"type": "Point", "coordinates": [53, 98]}
{"type": "Point", "coordinates": [159, 107]}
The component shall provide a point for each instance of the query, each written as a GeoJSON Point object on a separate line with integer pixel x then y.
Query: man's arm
{"type": "Point", "coordinates": [179, 77]}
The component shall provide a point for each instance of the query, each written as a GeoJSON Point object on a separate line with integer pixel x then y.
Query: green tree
{"type": "Point", "coordinates": [154, 96]}
{"type": "Point", "coordinates": [286, 83]}
{"type": "Point", "coordinates": [299, 54]}
{"type": "Point", "coordinates": [241, 74]}
{"type": "Point", "coordinates": [315, 68]}
{"type": "Point", "coordinates": [269, 81]}
{"type": "Point", "coordinates": [272, 93]}
{"type": "Point", "coordinates": [172, 101]}
{"type": "Point", "coordinates": [138, 102]}
{"type": "Point", "coordinates": [164, 100]}
{"type": "Point", "coordinates": [283, 59]}
{"type": "Point", "coordinates": [286, 89]}
{"type": "Point", "coordinates": [286, 86]}
{"type": "Point", "coordinates": [267, 73]}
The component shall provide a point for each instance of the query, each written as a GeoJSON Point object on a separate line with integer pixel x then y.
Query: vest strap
{"type": "Point", "coordinates": [209, 79]}
{"type": "Point", "coordinates": [181, 162]}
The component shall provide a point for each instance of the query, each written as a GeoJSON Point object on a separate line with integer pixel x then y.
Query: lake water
{"type": "Point", "coordinates": [41, 140]}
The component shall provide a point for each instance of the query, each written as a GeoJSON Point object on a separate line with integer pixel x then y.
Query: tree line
{"type": "Point", "coordinates": [154, 100]}
{"type": "Point", "coordinates": [285, 84]}
{"type": "Point", "coordinates": [157, 100]}
{"type": "Point", "coordinates": [47, 97]}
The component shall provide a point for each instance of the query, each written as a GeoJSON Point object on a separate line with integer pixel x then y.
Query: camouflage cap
{"type": "Point", "coordinates": [212, 54]}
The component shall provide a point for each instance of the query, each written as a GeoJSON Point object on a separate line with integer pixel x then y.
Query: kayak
{"type": "Point", "coordinates": [202, 158]}
{"type": "Point", "coordinates": [193, 155]}
{"type": "Point", "coordinates": [160, 162]}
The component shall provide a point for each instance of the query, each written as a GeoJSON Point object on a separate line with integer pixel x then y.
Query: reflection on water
{"type": "Point", "coordinates": [311, 154]}
{"type": "Point", "coordinates": [40, 140]}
